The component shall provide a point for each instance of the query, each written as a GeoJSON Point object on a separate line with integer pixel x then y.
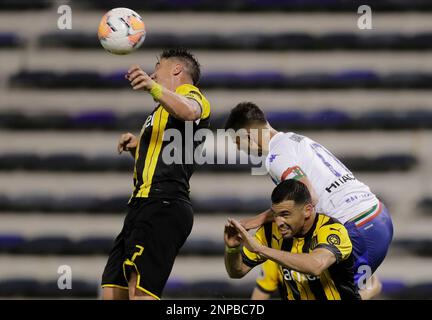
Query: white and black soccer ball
{"type": "Point", "coordinates": [121, 31]}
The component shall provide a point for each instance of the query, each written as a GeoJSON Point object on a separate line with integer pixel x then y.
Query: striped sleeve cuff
{"type": "Point", "coordinates": [332, 249]}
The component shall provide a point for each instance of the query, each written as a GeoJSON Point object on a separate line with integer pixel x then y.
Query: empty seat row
{"type": "Point", "coordinates": [231, 6]}
{"type": "Point", "coordinates": [10, 40]}
{"type": "Point", "coordinates": [118, 204]}
{"type": "Point", "coordinates": [62, 245]}
{"type": "Point", "coordinates": [178, 288]}
{"type": "Point", "coordinates": [253, 41]}
{"type": "Point", "coordinates": [261, 5]}
{"type": "Point", "coordinates": [233, 80]}
{"type": "Point", "coordinates": [326, 119]}
{"type": "Point", "coordinates": [425, 206]}
{"type": "Point", "coordinates": [25, 4]}
{"type": "Point", "coordinates": [79, 163]}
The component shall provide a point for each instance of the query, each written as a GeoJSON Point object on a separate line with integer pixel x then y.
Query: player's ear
{"type": "Point", "coordinates": [308, 210]}
{"type": "Point", "coordinates": [178, 68]}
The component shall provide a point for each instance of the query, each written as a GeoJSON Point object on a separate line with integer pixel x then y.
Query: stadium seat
{"type": "Point", "coordinates": [80, 289]}
{"type": "Point", "coordinates": [202, 247]}
{"type": "Point", "coordinates": [71, 40]}
{"type": "Point", "coordinates": [420, 247]}
{"type": "Point", "coordinates": [32, 202]}
{"type": "Point", "coordinates": [425, 205]}
{"type": "Point", "coordinates": [10, 242]}
{"type": "Point", "coordinates": [47, 245]}
{"type": "Point", "coordinates": [393, 286]}
{"type": "Point", "coordinates": [64, 162]}
{"type": "Point", "coordinates": [94, 245]}
{"type": "Point", "coordinates": [25, 4]}
{"type": "Point", "coordinates": [20, 161]}
{"type": "Point", "coordinates": [421, 291]}
{"type": "Point", "coordinates": [339, 41]}
{"type": "Point", "coordinates": [355, 79]}
{"type": "Point", "coordinates": [24, 287]}
{"type": "Point", "coordinates": [10, 40]}
{"type": "Point", "coordinates": [102, 120]}
{"type": "Point", "coordinates": [75, 203]}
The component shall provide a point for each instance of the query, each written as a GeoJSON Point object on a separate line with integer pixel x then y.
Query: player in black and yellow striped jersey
{"type": "Point", "coordinates": [160, 214]}
{"type": "Point", "coordinates": [269, 282]}
{"type": "Point", "coordinates": [313, 250]}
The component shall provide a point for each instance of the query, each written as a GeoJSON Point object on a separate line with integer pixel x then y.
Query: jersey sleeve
{"type": "Point", "coordinates": [252, 259]}
{"type": "Point", "coordinates": [191, 92]}
{"type": "Point", "coordinates": [269, 279]}
{"type": "Point", "coordinates": [283, 163]}
{"type": "Point", "coordinates": [334, 237]}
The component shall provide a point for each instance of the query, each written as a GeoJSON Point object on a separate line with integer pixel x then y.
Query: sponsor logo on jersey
{"type": "Point", "coordinates": [342, 180]}
{"type": "Point", "coordinates": [333, 239]}
{"type": "Point", "coordinates": [272, 157]}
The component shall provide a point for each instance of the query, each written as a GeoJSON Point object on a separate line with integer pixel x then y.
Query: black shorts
{"type": "Point", "coordinates": [154, 230]}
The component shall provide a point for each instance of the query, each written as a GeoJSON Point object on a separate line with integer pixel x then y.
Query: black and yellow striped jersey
{"type": "Point", "coordinates": [154, 176]}
{"type": "Point", "coordinates": [335, 283]}
{"type": "Point", "coordinates": [271, 278]}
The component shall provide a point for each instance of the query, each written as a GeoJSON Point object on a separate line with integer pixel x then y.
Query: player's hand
{"type": "Point", "coordinates": [232, 237]}
{"type": "Point", "coordinates": [139, 79]}
{"type": "Point", "coordinates": [248, 241]}
{"type": "Point", "coordinates": [127, 142]}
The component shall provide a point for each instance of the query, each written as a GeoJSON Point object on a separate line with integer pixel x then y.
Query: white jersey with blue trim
{"type": "Point", "coordinates": [340, 194]}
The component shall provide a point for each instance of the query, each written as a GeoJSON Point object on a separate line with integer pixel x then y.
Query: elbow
{"type": "Point", "coordinates": [188, 115]}
{"type": "Point", "coordinates": [317, 269]}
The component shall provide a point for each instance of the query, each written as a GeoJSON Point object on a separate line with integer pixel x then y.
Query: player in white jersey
{"type": "Point", "coordinates": [335, 190]}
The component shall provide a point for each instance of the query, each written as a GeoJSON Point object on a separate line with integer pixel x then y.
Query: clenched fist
{"type": "Point", "coordinates": [127, 142]}
{"type": "Point", "coordinates": [139, 79]}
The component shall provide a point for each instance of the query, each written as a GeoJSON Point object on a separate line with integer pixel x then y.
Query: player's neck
{"type": "Point", "coordinates": [179, 82]}
{"type": "Point", "coordinates": [308, 224]}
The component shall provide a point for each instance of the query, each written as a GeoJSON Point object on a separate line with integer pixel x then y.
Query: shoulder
{"type": "Point", "coordinates": [331, 229]}
{"type": "Point", "coordinates": [192, 92]}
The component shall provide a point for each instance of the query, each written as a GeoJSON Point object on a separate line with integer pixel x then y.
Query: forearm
{"type": "Point", "coordinates": [234, 264]}
{"type": "Point", "coordinates": [178, 106]}
{"type": "Point", "coordinates": [301, 262]}
{"type": "Point", "coordinates": [258, 220]}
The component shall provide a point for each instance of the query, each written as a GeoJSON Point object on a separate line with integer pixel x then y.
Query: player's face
{"type": "Point", "coordinates": [250, 141]}
{"type": "Point", "coordinates": [164, 73]}
{"type": "Point", "coordinates": [289, 217]}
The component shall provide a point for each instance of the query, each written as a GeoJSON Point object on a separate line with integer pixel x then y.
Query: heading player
{"type": "Point", "coordinates": [335, 190]}
{"type": "Point", "coordinates": [160, 214]}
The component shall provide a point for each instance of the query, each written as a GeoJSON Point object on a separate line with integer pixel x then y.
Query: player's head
{"type": "Point", "coordinates": [292, 208]}
{"type": "Point", "coordinates": [251, 127]}
{"type": "Point", "coordinates": [176, 66]}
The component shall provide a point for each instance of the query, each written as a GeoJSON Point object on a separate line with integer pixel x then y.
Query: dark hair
{"type": "Point", "coordinates": [192, 65]}
{"type": "Point", "coordinates": [244, 114]}
{"type": "Point", "coordinates": [291, 190]}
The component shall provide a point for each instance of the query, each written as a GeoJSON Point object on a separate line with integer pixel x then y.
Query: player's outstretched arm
{"type": "Point", "coordinates": [233, 259]}
{"type": "Point", "coordinates": [177, 105]}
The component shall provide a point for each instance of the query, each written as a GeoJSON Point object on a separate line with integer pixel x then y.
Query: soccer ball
{"type": "Point", "coordinates": [121, 31]}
